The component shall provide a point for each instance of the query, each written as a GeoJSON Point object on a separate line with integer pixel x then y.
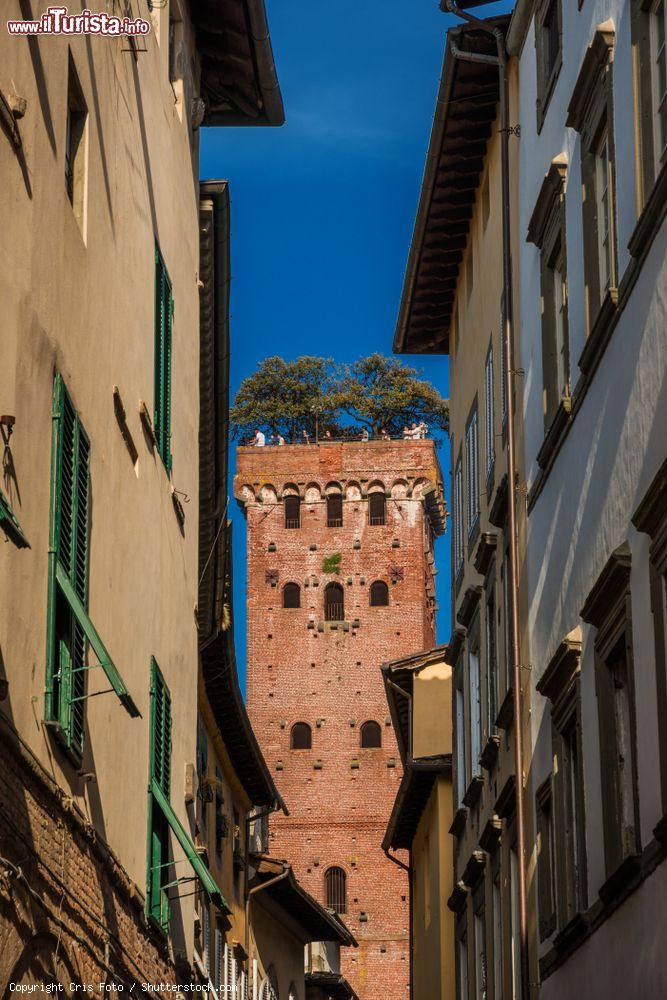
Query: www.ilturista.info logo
{"type": "Point", "coordinates": [58, 21]}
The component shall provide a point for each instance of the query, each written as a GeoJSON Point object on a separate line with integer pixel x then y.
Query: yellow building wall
{"type": "Point", "coordinates": [432, 884]}
{"type": "Point", "coordinates": [432, 711]}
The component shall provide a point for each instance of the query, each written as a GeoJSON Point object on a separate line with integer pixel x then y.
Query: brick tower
{"type": "Point", "coordinates": [340, 579]}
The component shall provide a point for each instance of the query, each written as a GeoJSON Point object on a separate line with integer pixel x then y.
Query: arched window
{"type": "Point", "coordinates": [379, 594]}
{"type": "Point", "coordinates": [291, 595]}
{"type": "Point", "coordinates": [334, 606]}
{"type": "Point", "coordinates": [371, 736]}
{"type": "Point", "coordinates": [335, 889]}
{"type": "Point", "coordinates": [292, 512]}
{"type": "Point", "coordinates": [334, 510]}
{"type": "Point", "coordinates": [301, 737]}
{"type": "Point", "coordinates": [377, 508]}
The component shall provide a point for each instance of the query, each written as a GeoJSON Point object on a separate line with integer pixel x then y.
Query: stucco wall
{"type": "Point", "coordinates": [85, 308]}
{"type": "Point", "coordinates": [614, 448]}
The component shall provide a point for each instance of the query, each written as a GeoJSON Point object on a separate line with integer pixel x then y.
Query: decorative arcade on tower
{"type": "Point", "coordinates": [340, 580]}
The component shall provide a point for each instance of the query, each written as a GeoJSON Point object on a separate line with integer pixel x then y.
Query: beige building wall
{"type": "Point", "coordinates": [276, 953]}
{"type": "Point", "coordinates": [78, 299]}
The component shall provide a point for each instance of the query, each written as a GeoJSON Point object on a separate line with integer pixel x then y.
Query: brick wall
{"type": "Point", "coordinates": [83, 922]}
{"type": "Point", "coordinates": [303, 669]}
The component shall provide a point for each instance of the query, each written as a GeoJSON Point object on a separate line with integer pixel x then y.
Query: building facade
{"type": "Point", "coordinates": [454, 302]}
{"type": "Point", "coordinates": [340, 578]}
{"type": "Point", "coordinates": [419, 693]}
{"type": "Point", "coordinates": [99, 498]}
{"type": "Point", "coordinates": [593, 286]}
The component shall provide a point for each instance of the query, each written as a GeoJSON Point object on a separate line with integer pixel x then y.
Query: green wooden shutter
{"type": "Point", "coordinates": [164, 311]}
{"type": "Point", "coordinates": [157, 901]}
{"type": "Point", "coordinates": [160, 730]}
{"type": "Point", "coordinates": [70, 521]}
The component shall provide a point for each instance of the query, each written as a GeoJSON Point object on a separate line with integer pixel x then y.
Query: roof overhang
{"type": "Point", "coordinates": [275, 880]}
{"type": "Point", "coordinates": [239, 83]}
{"type": "Point", "coordinates": [412, 798]}
{"type": "Point", "coordinates": [329, 984]}
{"type": "Point", "coordinates": [465, 111]}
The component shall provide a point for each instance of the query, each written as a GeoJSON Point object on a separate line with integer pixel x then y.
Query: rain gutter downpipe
{"type": "Point", "coordinates": [508, 342]}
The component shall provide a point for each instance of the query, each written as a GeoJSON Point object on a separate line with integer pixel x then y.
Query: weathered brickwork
{"type": "Point", "coordinates": [69, 913]}
{"type": "Point", "coordinates": [302, 668]}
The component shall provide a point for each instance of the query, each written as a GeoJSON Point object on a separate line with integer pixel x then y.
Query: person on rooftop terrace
{"type": "Point", "coordinates": [259, 439]}
{"type": "Point", "coordinates": [305, 439]}
{"type": "Point", "coordinates": [281, 439]}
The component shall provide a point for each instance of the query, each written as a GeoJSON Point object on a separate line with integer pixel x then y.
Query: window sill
{"type": "Point", "coordinates": [459, 822]}
{"type": "Point", "coordinates": [601, 331]}
{"type": "Point", "coordinates": [469, 606]}
{"type": "Point", "coordinates": [555, 433]}
{"type": "Point", "coordinates": [573, 931]}
{"type": "Point", "coordinates": [473, 791]}
{"type": "Point", "coordinates": [622, 881]}
{"type": "Point", "coordinates": [505, 716]}
{"type": "Point", "coordinates": [583, 925]}
{"type": "Point", "coordinates": [651, 218]}
{"type": "Point", "coordinates": [499, 507]}
{"type": "Point", "coordinates": [490, 752]}
{"type": "Point", "coordinates": [489, 838]}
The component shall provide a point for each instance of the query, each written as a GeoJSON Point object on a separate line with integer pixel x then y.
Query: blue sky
{"type": "Point", "coordinates": [322, 209]}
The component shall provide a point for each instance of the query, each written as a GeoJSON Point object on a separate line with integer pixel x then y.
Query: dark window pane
{"type": "Point", "coordinates": [379, 594]}
{"type": "Point", "coordinates": [371, 735]}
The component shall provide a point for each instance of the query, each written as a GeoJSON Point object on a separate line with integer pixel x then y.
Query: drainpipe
{"type": "Point", "coordinates": [508, 342]}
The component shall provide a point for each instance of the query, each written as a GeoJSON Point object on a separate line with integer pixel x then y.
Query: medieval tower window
{"type": "Point", "coordinates": [335, 885]}
{"type": "Point", "coordinates": [301, 737]}
{"type": "Point", "coordinates": [292, 512]}
{"type": "Point", "coordinates": [379, 594]}
{"type": "Point", "coordinates": [377, 508]}
{"type": "Point", "coordinates": [371, 736]}
{"type": "Point", "coordinates": [334, 510]}
{"type": "Point", "coordinates": [291, 595]}
{"type": "Point", "coordinates": [334, 607]}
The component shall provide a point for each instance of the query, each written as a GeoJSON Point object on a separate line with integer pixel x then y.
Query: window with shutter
{"type": "Point", "coordinates": [458, 518]}
{"type": "Point", "coordinates": [218, 972]}
{"type": "Point", "coordinates": [160, 772]}
{"type": "Point", "coordinates": [489, 415]}
{"type": "Point", "coordinates": [164, 314]}
{"type": "Point", "coordinates": [69, 629]}
{"type": "Point", "coordinates": [472, 473]}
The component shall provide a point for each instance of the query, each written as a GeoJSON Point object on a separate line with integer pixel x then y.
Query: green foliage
{"type": "Point", "coordinates": [381, 392]}
{"type": "Point", "coordinates": [378, 393]}
{"type": "Point", "coordinates": [331, 564]}
{"type": "Point", "coordinates": [282, 397]}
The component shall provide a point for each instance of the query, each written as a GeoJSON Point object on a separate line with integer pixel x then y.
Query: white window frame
{"type": "Point", "coordinates": [559, 307]}
{"type": "Point", "coordinates": [458, 516]}
{"type": "Point", "coordinates": [658, 32]}
{"type": "Point", "coordinates": [481, 985]}
{"type": "Point", "coordinates": [475, 710]}
{"type": "Point", "coordinates": [497, 937]}
{"type": "Point", "coordinates": [472, 473]}
{"type": "Point", "coordinates": [604, 209]}
{"type": "Point", "coordinates": [489, 424]}
{"type": "Point", "coordinates": [460, 747]}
